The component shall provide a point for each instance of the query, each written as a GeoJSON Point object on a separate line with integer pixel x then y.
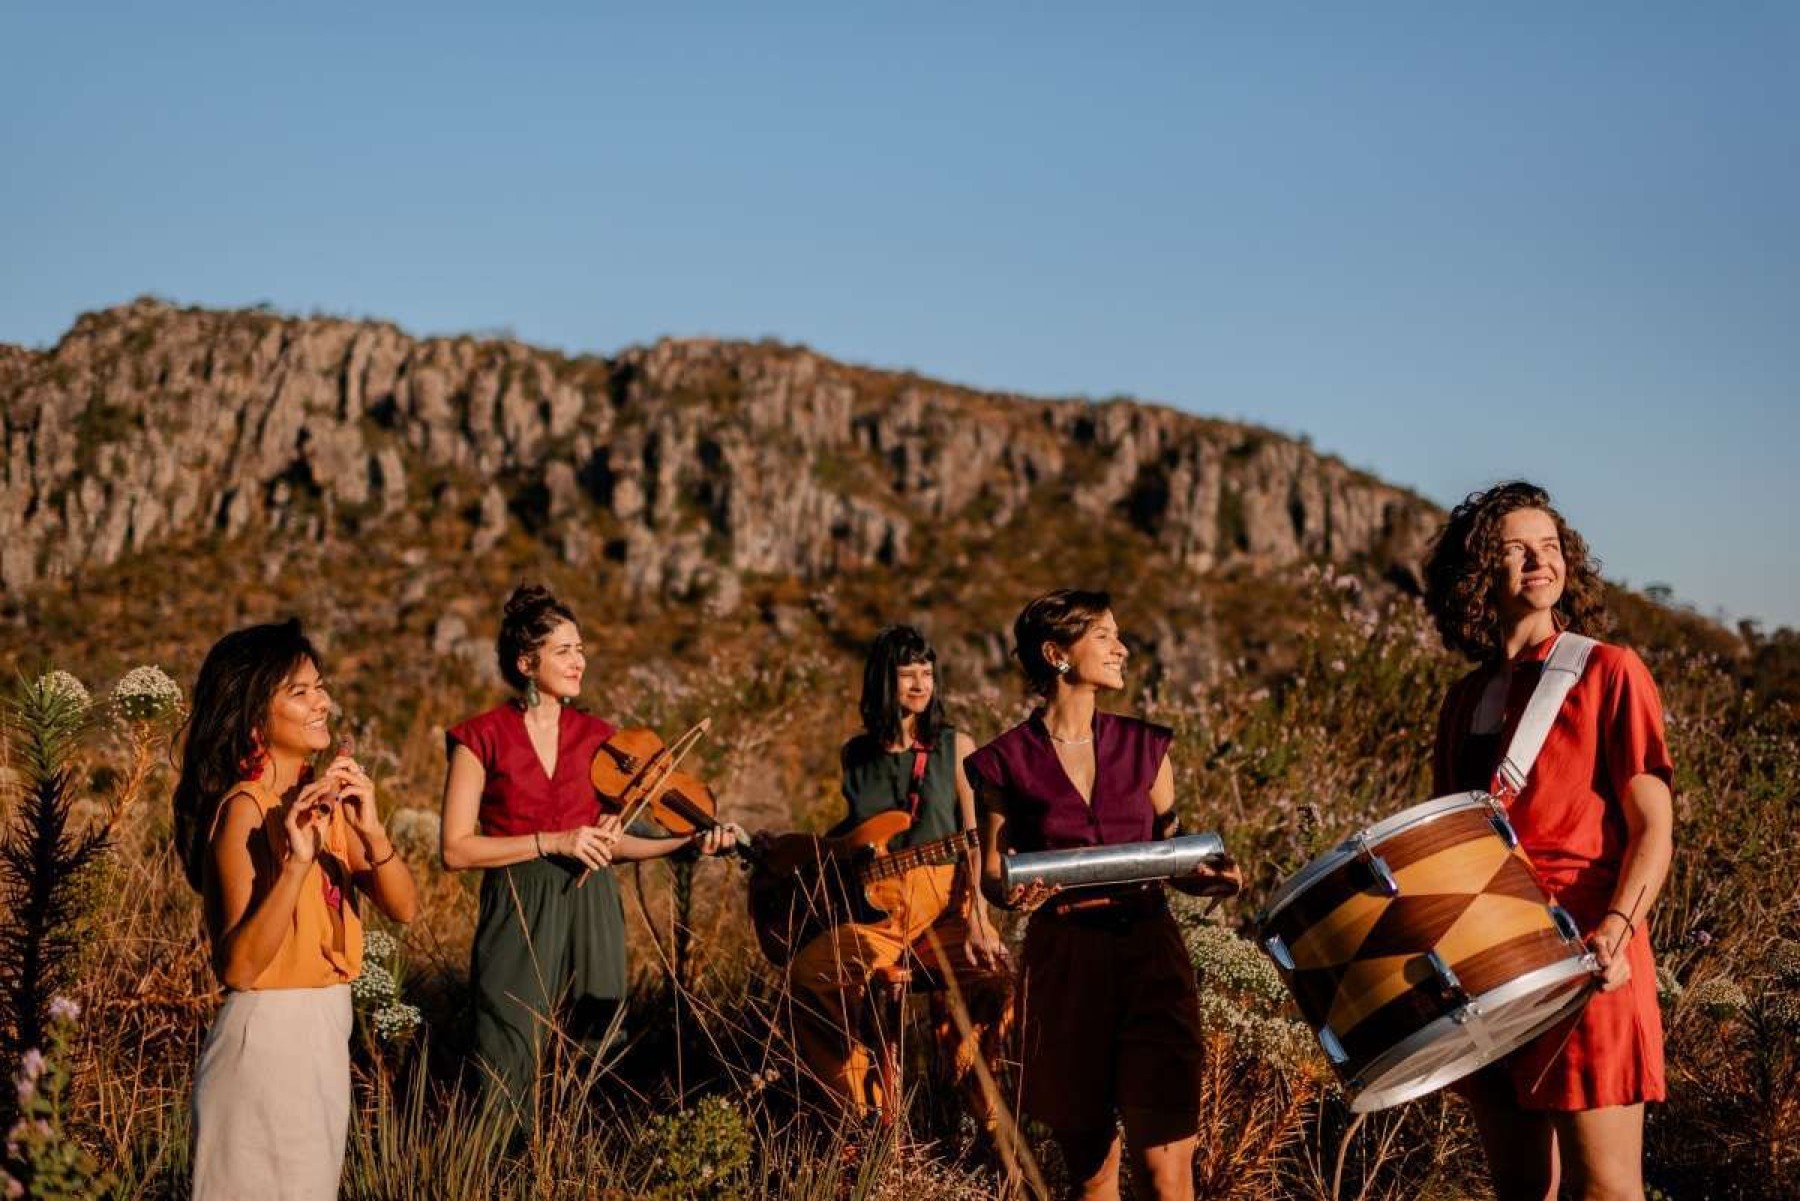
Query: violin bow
{"type": "Point", "coordinates": [650, 781]}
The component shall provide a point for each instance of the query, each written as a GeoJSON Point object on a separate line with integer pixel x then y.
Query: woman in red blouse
{"type": "Point", "coordinates": [1505, 577]}
{"type": "Point", "coordinates": [550, 938]}
{"type": "Point", "coordinates": [1108, 1008]}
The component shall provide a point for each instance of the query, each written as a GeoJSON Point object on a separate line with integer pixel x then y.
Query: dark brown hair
{"type": "Point", "coordinates": [531, 613]}
{"type": "Point", "coordinates": [220, 745]}
{"type": "Point", "coordinates": [1062, 617]}
{"type": "Point", "coordinates": [1466, 560]}
{"type": "Point", "coordinates": [896, 647]}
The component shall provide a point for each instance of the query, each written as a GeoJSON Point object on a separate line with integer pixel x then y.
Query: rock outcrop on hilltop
{"type": "Point", "coordinates": [693, 463]}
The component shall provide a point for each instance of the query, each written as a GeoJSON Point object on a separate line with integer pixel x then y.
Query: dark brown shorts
{"type": "Point", "coordinates": [1110, 1020]}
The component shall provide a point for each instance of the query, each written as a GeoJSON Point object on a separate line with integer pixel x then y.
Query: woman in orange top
{"type": "Point", "coordinates": [1506, 576]}
{"type": "Point", "coordinates": [277, 858]}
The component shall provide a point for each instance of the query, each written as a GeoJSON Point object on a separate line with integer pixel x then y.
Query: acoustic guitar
{"type": "Point", "coordinates": [806, 885]}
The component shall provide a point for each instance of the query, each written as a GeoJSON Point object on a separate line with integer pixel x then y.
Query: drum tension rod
{"type": "Point", "coordinates": [1277, 948]}
{"type": "Point", "coordinates": [1332, 1046]}
{"type": "Point", "coordinates": [1565, 924]}
{"type": "Point", "coordinates": [1502, 824]}
{"type": "Point", "coordinates": [1450, 988]}
{"type": "Point", "coordinates": [1383, 877]}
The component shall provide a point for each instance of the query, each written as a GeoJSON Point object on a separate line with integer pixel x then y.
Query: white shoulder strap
{"type": "Point", "coordinates": [1568, 658]}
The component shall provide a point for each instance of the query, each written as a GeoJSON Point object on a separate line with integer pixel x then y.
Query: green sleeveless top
{"type": "Point", "coordinates": [877, 780]}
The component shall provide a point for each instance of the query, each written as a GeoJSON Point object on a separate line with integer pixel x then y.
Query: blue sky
{"type": "Point", "coordinates": [1452, 247]}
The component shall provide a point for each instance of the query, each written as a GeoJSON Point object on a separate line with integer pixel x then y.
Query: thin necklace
{"type": "Point", "coordinates": [1069, 741]}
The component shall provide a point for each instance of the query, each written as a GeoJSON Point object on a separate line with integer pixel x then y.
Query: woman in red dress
{"type": "Point", "coordinates": [1505, 577]}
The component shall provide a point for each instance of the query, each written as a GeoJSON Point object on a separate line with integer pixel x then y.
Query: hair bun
{"type": "Point", "coordinates": [528, 598]}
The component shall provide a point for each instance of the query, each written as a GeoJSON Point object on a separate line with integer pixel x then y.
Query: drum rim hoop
{"type": "Point", "coordinates": [1573, 967]}
{"type": "Point", "coordinates": [1324, 864]}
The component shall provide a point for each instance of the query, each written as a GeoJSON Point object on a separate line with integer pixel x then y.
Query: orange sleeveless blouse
{"type": "Point", "coordinates": [323, 944]}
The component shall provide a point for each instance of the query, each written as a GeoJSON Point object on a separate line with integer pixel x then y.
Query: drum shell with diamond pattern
{"type": "Point", "coordinates": [1362, 959]}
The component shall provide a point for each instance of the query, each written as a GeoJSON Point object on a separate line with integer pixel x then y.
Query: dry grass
{"type": "Point", "coordinates": [706, 1097]}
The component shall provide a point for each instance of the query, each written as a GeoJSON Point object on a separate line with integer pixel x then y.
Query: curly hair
{"type": "Point", "coordinates": [1466, 558]}
{"type": "Point", "coordinates": [1062, 617]}
{"type": "Point", "coordinates": [532, 613]}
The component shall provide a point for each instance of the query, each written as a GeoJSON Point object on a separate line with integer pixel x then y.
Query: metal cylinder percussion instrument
{"type": "Point", "coordinates": [1424, 947]}
{"type": "Point", "coordinates": [1123, 863]}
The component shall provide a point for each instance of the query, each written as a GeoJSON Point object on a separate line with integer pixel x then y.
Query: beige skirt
{"type": "Point", "coordinates": [272, 1096]}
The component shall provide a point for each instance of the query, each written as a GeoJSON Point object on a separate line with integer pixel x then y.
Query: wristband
{"type": "Point", "coordinates": [1630, 926]}
{"type": "Point", "coordinates": [392, 851]}
{"type": "Point", "coordinates": [537, 840]}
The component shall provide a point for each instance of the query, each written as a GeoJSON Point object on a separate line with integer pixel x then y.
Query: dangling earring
{"type": "Point", "coordinates": [250, 767]}
{"type": "Point", "coordinates": [531, 694]}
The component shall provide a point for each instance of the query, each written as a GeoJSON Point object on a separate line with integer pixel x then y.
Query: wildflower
{"type": "Point", "coordinates": [146, 694]}
{"type": "Point", "coordinates": [1781, 1011]}
{"type": "Point", "coordinates": [375, 984]}
{"type": "Point", "coordinates": [65, 688]}
{"type": "Point", "coordinates": [1718, 997]}
{"type": "Point", "coordinates": [378, 944]}
{"type": "Point", "coordinates": [1701, 938]}
{"type": "Point", "coordinates": [31, 1065]}
{"type": "Point", "coordinates": [1784, 961]}
{"type": "Point", "coordinates": [1336, 666]}
{"type": "Point", "coordinates": [1233, 968]}
{"type": "Point", "coordinates": [395, 1020]}
{"type": "Point", "coordinates": [64, 1009]}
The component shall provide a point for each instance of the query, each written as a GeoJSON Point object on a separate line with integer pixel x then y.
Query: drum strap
{"type": "Point", "coordinates": [1568, 659]}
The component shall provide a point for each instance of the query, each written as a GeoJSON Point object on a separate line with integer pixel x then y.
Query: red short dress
{"type": "Point", "coordinates": [1571, 822]}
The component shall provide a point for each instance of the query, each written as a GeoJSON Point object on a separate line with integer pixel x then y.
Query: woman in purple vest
{"type": "Point", "coordinates": [1109, 1013]}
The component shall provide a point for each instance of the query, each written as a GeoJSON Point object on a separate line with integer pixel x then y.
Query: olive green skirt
{"type": "Point", "coordinates": [548, 970]}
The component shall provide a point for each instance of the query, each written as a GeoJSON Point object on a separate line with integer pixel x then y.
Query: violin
{"type": "Point", "coordinates": [635, 774]}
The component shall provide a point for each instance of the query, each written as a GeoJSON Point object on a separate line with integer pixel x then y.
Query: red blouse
{"type": "Point", "coordinates": [1570, 820]}
{"type": "Point", "coordinates": [517, 797]}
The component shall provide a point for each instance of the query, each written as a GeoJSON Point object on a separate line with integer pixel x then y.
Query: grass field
{"type": "Point", "coordinates": [704, 1098]}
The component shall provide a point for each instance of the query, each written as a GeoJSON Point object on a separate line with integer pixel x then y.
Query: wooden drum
{"type": "Point", "coordinates": [1423, 948]}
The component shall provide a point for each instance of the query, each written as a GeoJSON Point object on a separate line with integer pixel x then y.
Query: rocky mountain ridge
{"type": "Point", "coordinates": [690, 464]}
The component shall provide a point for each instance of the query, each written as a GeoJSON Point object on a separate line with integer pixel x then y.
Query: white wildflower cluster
{"type": "Point", "coordinates": [377, 990]}
{"type": "Point", "coordinates": [146, 694]}
{"type": "Point", "coordinates": [415, 832]}
{"type": "Point", "coordinates": [1780, 1011]}
{"type": "Point", "coordinates": [1277, 1041]}
{"type": "Point", "coordinates": [65, 688]}
{"type": "Point", "coordinates": [1784, 961]}
{"type": "Point", "coordinates": [375, 983]}
{"type": "Point", "coordinates": [1233, 967]}
{"type": "Point", "coordinates": [1718, 997]}
{"type": "Point", "coordinates": [395, 1020]}
{"type": "Point", "coordinates": [378, 945]}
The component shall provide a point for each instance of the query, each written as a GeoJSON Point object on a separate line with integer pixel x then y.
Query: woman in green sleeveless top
{"type": "Point", "coordinates": [906, 758]}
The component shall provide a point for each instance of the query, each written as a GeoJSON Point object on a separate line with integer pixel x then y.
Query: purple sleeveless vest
{"type": "Point", "coordinates": [1043, 810]}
